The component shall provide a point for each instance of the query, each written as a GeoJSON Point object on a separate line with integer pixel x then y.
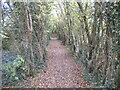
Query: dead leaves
{"type": "Point", "coordinates": [62, 71]}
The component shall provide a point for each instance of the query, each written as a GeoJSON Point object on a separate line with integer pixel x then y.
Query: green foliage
{"type": "Point", "coordinates": [13, 71]}
{"type": "Point", "coordinates": [38, 64]}
{"type": "Point", "coordinates": [6, 42]}
{"type": "Point", "coordinates": [93, 36]}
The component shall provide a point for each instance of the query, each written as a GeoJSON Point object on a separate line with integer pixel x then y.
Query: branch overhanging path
{"type": "Point", "coordinates": [62, 71]}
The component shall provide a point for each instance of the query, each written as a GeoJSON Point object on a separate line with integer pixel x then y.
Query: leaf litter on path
{"type": "Point", "coordinates": [61, 71]}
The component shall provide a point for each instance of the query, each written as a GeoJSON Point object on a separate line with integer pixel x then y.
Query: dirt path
{"type": "Point", "coordinates": [62, 71]}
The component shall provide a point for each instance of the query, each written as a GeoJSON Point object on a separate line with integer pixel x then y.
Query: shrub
{"type": "Point", "coordinates": [13, 71]}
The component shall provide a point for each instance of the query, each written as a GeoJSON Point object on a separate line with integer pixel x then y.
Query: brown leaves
{"type": "Point", "coordinates": [62, 71]}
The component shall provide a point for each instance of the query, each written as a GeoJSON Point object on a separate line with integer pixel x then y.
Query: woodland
{"type": "Point", "coordinates": [88, 32]}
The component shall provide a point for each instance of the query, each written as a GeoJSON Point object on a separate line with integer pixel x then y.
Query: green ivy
{"type": "Point", "coordinates": [13, 71]}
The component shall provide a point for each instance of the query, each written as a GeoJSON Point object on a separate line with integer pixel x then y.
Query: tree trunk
{"type": "Point", "coordinates": [28, 28]}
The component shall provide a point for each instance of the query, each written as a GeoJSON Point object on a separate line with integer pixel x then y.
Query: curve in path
{"type": "Point", "coordinates": [62, 71]}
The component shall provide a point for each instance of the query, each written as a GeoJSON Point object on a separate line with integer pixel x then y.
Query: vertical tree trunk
{"type": "Point", "coordinates": [0, 49]}
{"type": "Point", "coordinates": [28, 28]}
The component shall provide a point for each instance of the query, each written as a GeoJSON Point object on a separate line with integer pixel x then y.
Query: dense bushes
{"type": "Point", "coordinates": [26, 26]}
{"type": "Point", "coordinates": [13, 71]}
